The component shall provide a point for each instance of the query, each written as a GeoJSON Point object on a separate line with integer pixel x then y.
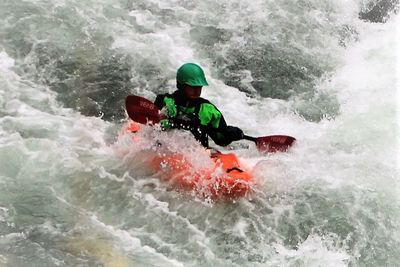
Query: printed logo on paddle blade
{"type": "Point", "coordinates": [148, 105]}
{"type": "Point", "coordinates": [279, 139]}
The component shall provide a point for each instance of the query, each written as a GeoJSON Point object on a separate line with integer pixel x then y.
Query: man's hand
{"type": "Point", "coordinates": [235, 133]}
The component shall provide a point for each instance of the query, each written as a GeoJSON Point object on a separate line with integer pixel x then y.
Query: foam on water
{"type": "Point", "coordinates": [311, 70]}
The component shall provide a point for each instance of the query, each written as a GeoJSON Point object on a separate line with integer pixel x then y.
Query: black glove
{"type": "Point", "coordinates": [185, 122]}
{"type": "Point", "coordinates": [234, 133]}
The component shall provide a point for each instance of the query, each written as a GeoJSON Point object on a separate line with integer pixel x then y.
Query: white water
{"type": "Point", "coordinates": [66, 199]}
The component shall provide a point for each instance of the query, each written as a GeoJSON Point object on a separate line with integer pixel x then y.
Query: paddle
{"type": "Point", "coordinates": [272, 143]}
{"type": "Point", "coordinates": [144, 111]}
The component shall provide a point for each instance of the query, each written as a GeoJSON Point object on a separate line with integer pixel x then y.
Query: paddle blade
{"type": "Point", "coordinates": [142, 110]}
{"type": "Point", "coordinates": [274, 143]}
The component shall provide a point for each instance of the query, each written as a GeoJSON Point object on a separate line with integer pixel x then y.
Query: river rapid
{"type": "Point", "coordinates": [326, 72]}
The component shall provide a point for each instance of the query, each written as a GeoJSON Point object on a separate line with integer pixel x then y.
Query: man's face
{"type": "Point", "coordinates": [192, 92]}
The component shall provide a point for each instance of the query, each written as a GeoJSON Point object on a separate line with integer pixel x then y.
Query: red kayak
{"type": "Point", "coordinates": [225, 179]}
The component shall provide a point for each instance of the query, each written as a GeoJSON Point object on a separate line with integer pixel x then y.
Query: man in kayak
{"type": "Point", "coordinates": [185, 109]}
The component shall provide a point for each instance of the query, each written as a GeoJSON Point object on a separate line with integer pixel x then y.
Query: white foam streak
{"type": "Point", "coordinates": [313, 252]}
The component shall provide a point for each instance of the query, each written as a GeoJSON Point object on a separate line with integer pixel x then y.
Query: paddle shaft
{"type": "Point", "coordinates": [144, 111]}
{"type": "Point", "coordinates": [250, 138]}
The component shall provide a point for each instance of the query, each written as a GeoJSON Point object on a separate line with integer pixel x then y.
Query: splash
{"type": "Point", "coordinates": [313, 70]}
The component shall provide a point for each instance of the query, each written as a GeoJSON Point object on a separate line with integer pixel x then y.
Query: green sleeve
{"type": "Point", "coordinates": [167, 101]}
{"type": "Point", "coordinates": [215, 124]}
{"type": "Point", "coordinates": [209, 115]}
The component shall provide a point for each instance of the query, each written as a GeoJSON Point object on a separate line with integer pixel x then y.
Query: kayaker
{"type": "Point", "coordinates": [186, 110]}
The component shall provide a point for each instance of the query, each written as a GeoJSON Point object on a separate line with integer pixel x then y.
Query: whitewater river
{"type": "Point", "coordinates": [326, 72]}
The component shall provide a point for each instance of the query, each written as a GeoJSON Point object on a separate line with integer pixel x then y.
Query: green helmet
{"type": "Point", "coordinates": [191, 74]}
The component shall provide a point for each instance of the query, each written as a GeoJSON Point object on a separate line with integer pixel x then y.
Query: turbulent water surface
{"type": "Point", "coordinates": [73, 193]}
